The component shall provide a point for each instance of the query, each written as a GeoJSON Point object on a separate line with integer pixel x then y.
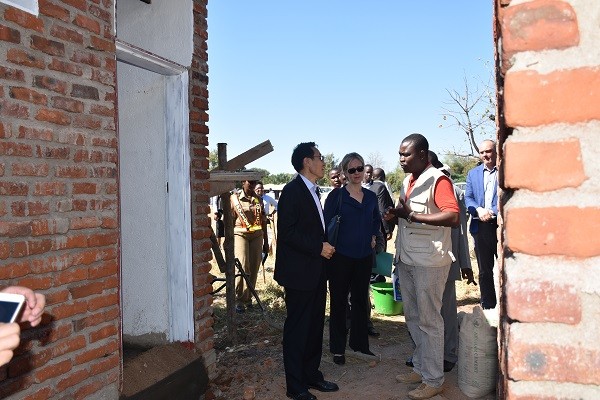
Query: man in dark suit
{"type": "Point", "coordinates": [384, 201]}
{"type": "Point", "coordinates": [302, 248]}
{"type": "Point", "coordinates": [481, 199]}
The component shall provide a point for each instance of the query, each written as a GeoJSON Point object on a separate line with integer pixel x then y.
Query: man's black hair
{"type": "Point", "coordinates": [302, 151]}
{"type": "Point", "coordinates": [434, 160]}
{"type": "Point", "coordinates": [419, 141]}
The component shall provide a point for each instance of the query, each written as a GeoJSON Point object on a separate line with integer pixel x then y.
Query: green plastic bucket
{"type": "Point", "coordinates": [383, 299]}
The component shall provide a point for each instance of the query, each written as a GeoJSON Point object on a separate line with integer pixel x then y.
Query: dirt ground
{"type": "Point", "coordinates": [253, 368]}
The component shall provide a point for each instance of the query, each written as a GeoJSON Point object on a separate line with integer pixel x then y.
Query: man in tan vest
{"type": "Point", "coordinates": [426, 212]}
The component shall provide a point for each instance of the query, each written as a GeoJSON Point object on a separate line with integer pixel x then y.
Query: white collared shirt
{"type": "Point", "coordinates": [312, 189]}
{"type": "Point", "coordinates": [490, 181]}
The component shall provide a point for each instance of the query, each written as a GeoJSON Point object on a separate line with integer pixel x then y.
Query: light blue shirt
{"type": "Point", "coordinates": [490, 181]}
{"type": "Point", "coordinates": [312, 188]}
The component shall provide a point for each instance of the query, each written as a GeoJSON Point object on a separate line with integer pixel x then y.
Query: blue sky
{"type": "Point", "coordinates": [351, 75]}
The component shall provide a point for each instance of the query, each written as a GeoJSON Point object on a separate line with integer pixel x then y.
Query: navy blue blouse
{"type": "Point", "coordinates": [359, 222]}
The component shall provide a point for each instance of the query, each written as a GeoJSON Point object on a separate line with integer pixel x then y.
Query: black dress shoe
{"type": "Point", "coordinates": [448, 365]}
{"type": "Point", "coordinates": [302, 396]}
{"type": "Point", "coordinates": [372, 332]}
{"type": "Point", "coordinates": [324, 386]}
{"type": "Point", "coordinates": [409, 362]}
{"type": "Point", "coordinates": [339, 359]}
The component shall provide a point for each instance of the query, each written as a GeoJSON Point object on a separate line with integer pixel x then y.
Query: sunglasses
{"type": "Point", "coordinates": [357, 169]}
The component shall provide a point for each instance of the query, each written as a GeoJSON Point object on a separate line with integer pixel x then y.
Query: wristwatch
{"type": "Point", "coordinates": [410, 217]}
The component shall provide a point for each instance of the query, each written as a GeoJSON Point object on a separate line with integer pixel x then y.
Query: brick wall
{"type": "Point", "coordinates": [59, 221]}
{"type": "Point", "coordinates": [550, 335]}
{"type": "Point", "coordinates": [58, 195]}
{"type": "Point", "coordinates": [201, 224]}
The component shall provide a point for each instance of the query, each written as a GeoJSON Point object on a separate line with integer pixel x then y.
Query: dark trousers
{"type": "Point", "coordinates": [303, 336]}
{"type": "Point", "coordinates": [486, 244]}
{"type": "Point", "coordinates": [348, 274]}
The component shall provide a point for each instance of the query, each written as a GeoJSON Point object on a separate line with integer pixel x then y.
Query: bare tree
{"type": "Point", "coordinates": [472, 110]}
{"type": "Point", "coordinates": [376, 160]}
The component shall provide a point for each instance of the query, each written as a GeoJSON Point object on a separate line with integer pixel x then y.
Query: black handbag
{"type": "Point", "coordinates": [334, 224]}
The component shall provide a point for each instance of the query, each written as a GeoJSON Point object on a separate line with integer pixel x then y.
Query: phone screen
{"type": "Point", "coordinates": [7, 310]}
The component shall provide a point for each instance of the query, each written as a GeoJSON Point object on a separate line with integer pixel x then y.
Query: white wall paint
{"type": "Point", "coordinates": [164, 27]}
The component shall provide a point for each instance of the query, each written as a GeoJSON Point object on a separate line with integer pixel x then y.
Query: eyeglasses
{"type": "Point", "coordinates": [320, 157]}
{"type": "Point", "coordinates": [357, 169]}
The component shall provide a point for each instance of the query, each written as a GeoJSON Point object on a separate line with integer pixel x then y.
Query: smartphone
{"type": "Point", "coordinates": [10, 306]}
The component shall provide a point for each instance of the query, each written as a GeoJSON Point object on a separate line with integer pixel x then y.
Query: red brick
{"type": "Point", "coordinates": [27, 362]}
{"type": "Point", "coordinates": [53, 116]}
{"type": "Point", "coordinates": [100, 13]}
{"type": "Point", "coordinates": [538, 362]}
{"type": "Point", "coordinates": [107, 268]}
{"type": "Point", "coordinates": [542, 301]}
{"type": "Point", "coordinates": [80, 4]}
{"type": "Point", "coordinates": [103, 239]}
{"type": "Point", "coordinates": [8, 34]}
{"type": "Point", "coordinates": [73, 343]}
{"type": "Point", "coordinates": [101, 44]}
{"type": "Point", "coordinates": [105, 77]}
{"type": "Point", "coordinates": [539, 25]}
{"type": "Point", "coordinates": [533, 99]}
{"type": "Point", "coordinates": [86, 290]}
{"type": "Point", "coordinates": [29, 95]}
{"type": "Point", "coordinates": [87, 122]}
{"type": "Point", "coordinates": [72, 379]}
{"type": "Point", "coordinates": [68, 310]}
{"type": "Point", "coordinates": [35, 133]}
{"type": "Point", "coordinates": [96, 319]}
{"type": "Point", "coordinates": [105, 364]}
{"type": "Point", "coordinates": [20, 57]}
{"type": "Point", "coordinates": [68, 68]}
{"type": "Point", "coordinates": [25, 19]}
{"type": "Point", "coordinates": [35, 283]}
{"type": "Point", "coordinates": [4, 250]}
{"type": "Point", "coordinates": [45, 227]}
{"type": "Point", "coordinates": [74, 138]}
{"type": "Point", "coordinates": [50, 189]}
{"type": "Point", "coordinates": [46, 82]}
{"type": "Point", "coordinates": [72, 172]}
{"type": "Point", "coordinates": [59, 332]}
{"type": "Point", "coordinates": [85, 58]}
{"type": "Point", "coordinates": [87, 23]}
{"type": "Point", "coordinates": [102, 110]}
{"type": "Point", "coordinates": [85, 188]}
{"type": "Point", "coordinates": [103, 333]}
{"type": "Point", "coordinates": [14, 270]}
{"type": "Point", "coordinates": [32, 247]}
{"type": "Point", "coordinates": [96, 353]}
{"type": "Point", "coordinates": [67, 104]}
{"type": "Point", "coordinates": [13, 189]}
{"type": "Point", "coordinates": [30, 169]}
{"type": "Point", "coordinates": [60, 32]}
{"type": "Point", "coordinates": [553, 231]}
{"type": "Point", "coordinates": [39, 394]}
{"type": "Point", "coordinates": [52, 10]}
{"type": "Point", "coordinates": [60, 153]}
{"type": "Point", "coordinates": [56, 297]}
{"type": "Point", "coordinates": [12, 74]}
{"type": "Point", "coordinates": [14, 229]}
{"type": "Point", "coordinates": [52, 371]}
{"type": "Point", "coordinates": [15, 149]}
{"type": "Point", "coordinates": [70, 275]}
{"type": "Point", "coordinates": [106, 300]}
{"type": "Point", "coordinates": [48, 46]}
{"type": "Point", "coordinates": [15, 110]}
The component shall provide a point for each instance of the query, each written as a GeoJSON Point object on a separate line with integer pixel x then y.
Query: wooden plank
{"type": "Point", "coordinates": [248, 156]}
{"type": "Point", "coordinates": [224, 181]}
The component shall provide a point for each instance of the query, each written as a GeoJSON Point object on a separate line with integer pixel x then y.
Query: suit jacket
{"type": "Point", "coordinates": [475, 196]}
{"type": "Point", "coordinates": [460, 243]}
{"type": "Point", "coordinates": [300, 237]}
{"type": "Point", "coordinates": [384, 200]}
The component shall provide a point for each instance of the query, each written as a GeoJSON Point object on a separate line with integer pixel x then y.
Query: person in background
{"type": "Point", "coordinates": [384, 201]}
{"type": "Point", "coordinates": [269, 203]}
{"type": "Point", "coordinates": [32, 314]}
{"type": "Point", "coordinates": [350, 267]}
{"type": "Point", "coordinates": [336, 180]}
{"type": "Point", "coordinates": [219, 226]}
{"type": "Point", "coordinates": [250, 239]}
{"type": "Point", "coordinates": [379, 175]}
{"type": "Point", "coordinates": [299, 268]}
{"type": "Point", "coordinates": [368, 178]}
{"type": "Point", "coordinates": [481, 199]}
{"type": "Point", "coordinates": [426, 212]}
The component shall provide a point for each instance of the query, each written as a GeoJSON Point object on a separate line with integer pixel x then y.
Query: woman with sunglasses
{"type": "Point", "coordinates": [350, 267]}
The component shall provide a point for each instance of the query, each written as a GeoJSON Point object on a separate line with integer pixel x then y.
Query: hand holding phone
{"type": "Point", "coordinates": [10, 306]}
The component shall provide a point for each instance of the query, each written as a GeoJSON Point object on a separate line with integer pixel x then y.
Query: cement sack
{"type": "Point", "coordinates": [477, 354]}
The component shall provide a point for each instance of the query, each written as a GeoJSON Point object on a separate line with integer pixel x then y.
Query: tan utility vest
{"type": "Point", "coordinates": [421, 244]}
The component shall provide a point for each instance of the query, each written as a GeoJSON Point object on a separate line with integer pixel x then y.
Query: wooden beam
{"type": "Point", "coordinates": [248, 156]}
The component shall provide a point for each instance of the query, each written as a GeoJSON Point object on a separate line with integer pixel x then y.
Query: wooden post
{"type": "Point", "coordinates": [228, 246]}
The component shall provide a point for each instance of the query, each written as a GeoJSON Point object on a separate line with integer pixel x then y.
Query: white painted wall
{"type": "Point", "coordinates": [142, 155]}
{"type": "Point", "coordinates": [164, 27]}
